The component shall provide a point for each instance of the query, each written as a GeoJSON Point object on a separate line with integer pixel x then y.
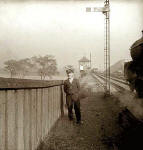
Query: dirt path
{"type": "Point", "coordinates": [99, 115]}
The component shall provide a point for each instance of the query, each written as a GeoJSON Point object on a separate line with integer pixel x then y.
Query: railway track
{"type": "Point", "coordinates": [116, 83]}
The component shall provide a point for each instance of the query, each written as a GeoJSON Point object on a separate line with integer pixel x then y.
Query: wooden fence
{"type": "Point", "coordinates": [28, 110]}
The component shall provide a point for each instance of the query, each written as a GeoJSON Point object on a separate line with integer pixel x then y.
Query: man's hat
{"type": "Point", "coordinates": [69, 69]}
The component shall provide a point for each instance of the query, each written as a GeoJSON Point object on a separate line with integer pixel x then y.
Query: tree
{"type": "Point", "coordinates": [18, 67]}
{"type": "Point", "coordinates": [23, 67]}
{"type": "Point", "coordinates": [11, 66]}
{"type": "Point", "coordinates": [46, 65]}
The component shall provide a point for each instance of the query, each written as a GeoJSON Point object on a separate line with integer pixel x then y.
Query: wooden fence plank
{"type": "Point", "coordinates": [39, 113]}
{"type": "Point", "coordinates": [20, 117]}
{"type": "Point", "coordinates": [46, 110]}
{"type": "Point", "coordinates": [2, 120]}
{"type": "Point", "coordinates": [33, 118]}
{"type": "Point", "coordinates": [26, 120]}
{"type": "Point", "coordinates": [11, 120]}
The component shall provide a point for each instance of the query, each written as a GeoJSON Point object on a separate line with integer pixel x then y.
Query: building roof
{"type": "Point", "coordinates": [84, 59]}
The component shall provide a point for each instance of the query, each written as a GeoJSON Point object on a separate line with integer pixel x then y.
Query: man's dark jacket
{"type": "Point", "coordinates": [72, 89]}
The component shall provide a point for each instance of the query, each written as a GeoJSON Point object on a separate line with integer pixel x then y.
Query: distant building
{"type": "Point", "coordinates": [84, 64]}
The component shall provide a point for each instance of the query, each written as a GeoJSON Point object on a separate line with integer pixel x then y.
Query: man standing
{"type": "Point", "coordinates": [72, 88]}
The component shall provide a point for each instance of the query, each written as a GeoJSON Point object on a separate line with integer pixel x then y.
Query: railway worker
{"type": "Point", "coordinates": [72, 88]}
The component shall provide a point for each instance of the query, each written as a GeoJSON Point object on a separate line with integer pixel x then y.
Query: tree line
{"type": "Point", "coordinates": [43, 66]}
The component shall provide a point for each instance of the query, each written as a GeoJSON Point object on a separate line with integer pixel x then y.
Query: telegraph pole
{"type": "Point", "coordinates": [106, 11]}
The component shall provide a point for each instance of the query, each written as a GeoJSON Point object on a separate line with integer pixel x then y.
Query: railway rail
{"type": "Point", "coordinates": [116, 83]}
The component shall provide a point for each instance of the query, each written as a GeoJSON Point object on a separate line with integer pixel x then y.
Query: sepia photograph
{"type": "Point", "coordinates": [71, 74]}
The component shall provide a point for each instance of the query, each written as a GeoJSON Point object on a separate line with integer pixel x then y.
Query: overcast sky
{"type": "Point", "coordinates": [65, 30]}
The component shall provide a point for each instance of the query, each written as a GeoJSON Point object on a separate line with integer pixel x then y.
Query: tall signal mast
{"type": "Point", "coordinates": [106, 11]}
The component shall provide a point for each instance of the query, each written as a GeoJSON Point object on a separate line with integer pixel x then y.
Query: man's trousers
{"type": "Point", "coordinates": [70, 104]}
